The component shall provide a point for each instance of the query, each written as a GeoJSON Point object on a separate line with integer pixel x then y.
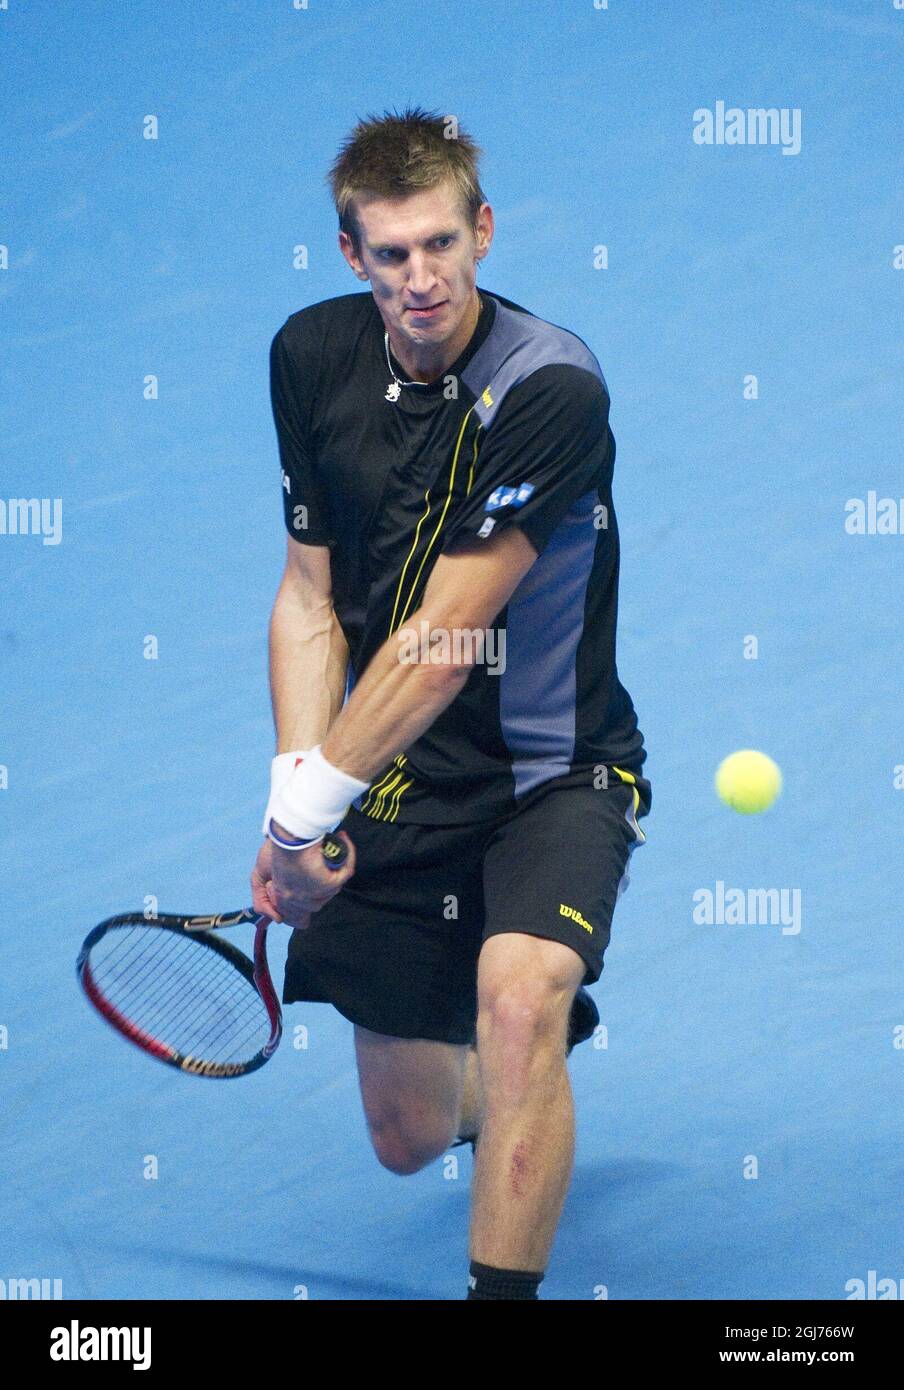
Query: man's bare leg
{"type": "Point", "coordinates": [411, 1090]}
{"type": "Point", "coordinates": [469, 1120]}
{"type": "Point", "coordinates": [526, 1151]}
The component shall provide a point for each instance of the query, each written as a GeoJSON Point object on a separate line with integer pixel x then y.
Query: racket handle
{"type": "Point", "coordinates": [335, 852]}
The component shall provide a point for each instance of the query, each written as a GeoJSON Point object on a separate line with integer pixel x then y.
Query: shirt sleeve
{"type": "Point", "coordinates": [548, 446]}
{"type": "Point", "coordinates": [305, 506]}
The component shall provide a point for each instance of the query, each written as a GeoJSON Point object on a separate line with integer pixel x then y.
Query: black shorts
{"type": "Point", "coordinates": [396, 950]}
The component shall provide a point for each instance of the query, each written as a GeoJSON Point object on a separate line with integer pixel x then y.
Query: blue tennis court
{"type": "Point", "coordinates": [740, 1124]}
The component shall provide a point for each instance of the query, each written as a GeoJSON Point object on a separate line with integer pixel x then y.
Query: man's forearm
{"type": "Point", "coordinates": [308, 667]}
{"type": "Point", "coordinates": [402, 691]}
{"type": "Point", "coordinates": [391, 706]}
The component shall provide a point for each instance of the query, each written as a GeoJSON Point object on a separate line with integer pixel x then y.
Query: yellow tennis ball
{"type": "Point", "coordinates": [748, 781]}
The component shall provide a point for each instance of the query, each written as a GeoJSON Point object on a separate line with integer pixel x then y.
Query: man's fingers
{"type": "Point", "coordinates": [262, 896]}
{"type": "Point", "coordinates": [303, 884]}
{"type": "Point", "coordinates": [264, 904]}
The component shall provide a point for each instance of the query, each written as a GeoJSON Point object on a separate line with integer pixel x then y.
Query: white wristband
{"type": "Point", "coordinates": [314, 798]}
{"type": "Point", "coordinates": [281, 769]}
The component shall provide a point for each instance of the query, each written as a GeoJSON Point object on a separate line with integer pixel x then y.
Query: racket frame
{"type": "Point", "coordinates": [256, 972]}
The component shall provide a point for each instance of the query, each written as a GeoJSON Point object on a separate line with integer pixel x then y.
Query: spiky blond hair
{"type": "Point", "coordinates": [400, 153]}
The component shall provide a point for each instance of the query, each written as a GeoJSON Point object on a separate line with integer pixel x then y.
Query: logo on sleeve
{"type": "Point", "coordinates": [572, 912]}
{"type": "Point", "coordinates": [508, 497]}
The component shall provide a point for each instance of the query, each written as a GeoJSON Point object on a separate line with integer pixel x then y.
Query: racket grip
{"type": "Point", "coordinates": [335, 852]}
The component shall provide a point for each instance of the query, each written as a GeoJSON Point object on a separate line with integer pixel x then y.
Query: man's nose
{"type": "Point", "coordinates": [421, 277]}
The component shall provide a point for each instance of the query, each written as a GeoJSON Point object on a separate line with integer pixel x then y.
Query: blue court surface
{"type": "Point", "coordinates": [741, 1132]}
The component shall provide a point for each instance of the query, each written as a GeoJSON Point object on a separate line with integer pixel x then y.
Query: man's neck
{"type": "Point", "coordinates": [428, 367]}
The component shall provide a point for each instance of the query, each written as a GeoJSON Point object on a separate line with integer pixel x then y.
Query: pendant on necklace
{"type": "Point", "coordinates": [393, 391]}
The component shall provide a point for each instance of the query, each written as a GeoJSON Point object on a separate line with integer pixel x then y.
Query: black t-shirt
{"type": "Point", "coordinates": [515, 432]}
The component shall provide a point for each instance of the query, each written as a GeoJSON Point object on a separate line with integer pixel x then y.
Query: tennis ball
{"type": "Point", "coordinates": [748, 781]}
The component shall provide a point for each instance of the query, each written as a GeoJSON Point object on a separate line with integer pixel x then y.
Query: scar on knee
{"type": "Point", "coordinates": [520, 1167]}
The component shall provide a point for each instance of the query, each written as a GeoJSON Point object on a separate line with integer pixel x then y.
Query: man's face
{"type": "Point", "coordinates": [420, 255]}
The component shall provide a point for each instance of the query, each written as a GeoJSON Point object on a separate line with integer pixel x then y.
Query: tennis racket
{"type": "Point", "coordinates": [183, 994]}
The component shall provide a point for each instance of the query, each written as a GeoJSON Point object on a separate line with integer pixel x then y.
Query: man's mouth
{"type": "Point", "coordinates": [427, 310]}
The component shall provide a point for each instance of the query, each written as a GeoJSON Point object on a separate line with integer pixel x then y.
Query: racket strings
{"type": "Point", "coordinates": [214, 1016]}
{"type": "Point", "coordinates": [173, 956]}
{"type": "Point", "coordinates": [181, 992]}
{"type": "Point", "coordinates": [212, 1042]}
{"type": "Point", "coordinates": [161, 988]}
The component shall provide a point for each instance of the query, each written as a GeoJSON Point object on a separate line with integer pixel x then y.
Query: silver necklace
{"type": "Point", "coordinates": [394, 389]}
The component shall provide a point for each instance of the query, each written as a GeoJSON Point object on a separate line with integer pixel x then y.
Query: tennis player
{"type": "Point", "coordinates": [445, 691]}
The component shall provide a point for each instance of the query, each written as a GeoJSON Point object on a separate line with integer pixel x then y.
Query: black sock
{"type": "Point", "coordinates": [486, 1282]}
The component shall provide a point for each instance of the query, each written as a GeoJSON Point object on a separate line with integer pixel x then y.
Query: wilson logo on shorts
{"type": "Point", "coordinates": [573, 913]}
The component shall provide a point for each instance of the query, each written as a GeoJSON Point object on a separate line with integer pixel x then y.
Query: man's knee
{"type": "Point", "coordinates": [522, 1030]}
{"type": "Point", "coordinates": [525, 990]}
{"type": "Point", "coordinates": [406, 1148]}
{"type": "Point", "coordinates": [411, 1089]}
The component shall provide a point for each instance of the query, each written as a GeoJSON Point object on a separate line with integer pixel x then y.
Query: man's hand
{"type": "Point", "coordinates": [288, 887]}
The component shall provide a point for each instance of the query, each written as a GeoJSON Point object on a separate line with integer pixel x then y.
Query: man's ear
{"type": "Point", "coordinates": [351, 255]}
